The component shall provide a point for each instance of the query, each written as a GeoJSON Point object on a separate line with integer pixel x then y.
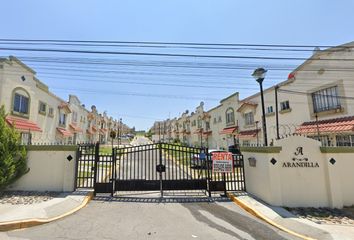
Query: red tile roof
{"type": "Point", "coordinates": [248, 134]}
{"type": "Point", "coordinates": [23, 124]}
{"type": "Point", "coordinates": [64, 132]}
{"type": "Point", "coordinates": [229, 130]}
{"type": "Point", "coordinates": [334, 125]}
{"type": "Point", "coordinates": [75, 127]}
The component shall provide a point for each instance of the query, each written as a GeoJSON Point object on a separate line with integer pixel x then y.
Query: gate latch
{"type": "Point", "coordinates": [161, 168]}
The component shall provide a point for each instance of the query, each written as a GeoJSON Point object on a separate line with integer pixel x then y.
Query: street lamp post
{"type": "Point", "coordinates": [259, 75]}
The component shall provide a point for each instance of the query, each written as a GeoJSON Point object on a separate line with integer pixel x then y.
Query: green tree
{"type": "Point", "coordinates": [13, 162]}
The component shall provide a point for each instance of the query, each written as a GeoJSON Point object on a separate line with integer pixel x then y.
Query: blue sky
{"type": "Point", "coordinates": [121, 89]}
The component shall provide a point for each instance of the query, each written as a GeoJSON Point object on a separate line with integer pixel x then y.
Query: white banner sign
{"type": "Point", "coordinates": [222, 162]}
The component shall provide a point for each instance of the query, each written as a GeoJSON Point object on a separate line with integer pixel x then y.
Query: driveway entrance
{"type": "Point", "coordinates": [155, 167]}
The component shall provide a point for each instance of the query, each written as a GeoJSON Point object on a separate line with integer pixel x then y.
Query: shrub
{"type": "Point", "coordinates": [13, 162]}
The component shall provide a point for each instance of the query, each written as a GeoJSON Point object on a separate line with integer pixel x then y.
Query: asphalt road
{"type": "Point", "coordinates": [131, 217]}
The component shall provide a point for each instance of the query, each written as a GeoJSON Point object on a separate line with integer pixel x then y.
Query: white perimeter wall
{"type": "Point", "coordinates": [49, 169]}
{"type": "Point", "coordinates": [328, 185]}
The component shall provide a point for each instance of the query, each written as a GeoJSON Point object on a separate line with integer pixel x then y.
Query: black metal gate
{"type": "Point", "coordinates": [158, 166]}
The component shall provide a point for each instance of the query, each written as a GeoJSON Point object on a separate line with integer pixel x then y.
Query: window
{"type": "Point", "coordinates": [230, 117]}
{"type": "Point", "coordinates": [20, 104]}
{"type": "Point", "coordinates": [284, 105]}
{"type": "Point", "coordinates": [326, 99]}
{"type": "Point", "coordinates": [214, 120]}
{"type": "Point", "coordinates": [42, 108]}
{"type": "Point", "coordinates": [207, 126]}
{"type": "Point", "coordinates": [199, 122]}
{"type": "Point", "coordinates": [345, 140]}
{"type": "Point", "coordinates": [270, 109]}
{"type": "Point", "coordinates": [62, 119]}
{"type": "Point", "coordinates": [74, 117]}
{"type": "Point", "coordinates": [249, 120]}
{"type": "Point", "coordinates": [219, 119]}
{"type": "Point", "coordinates": [246, 143]}
{"type": "Point", "coordinates": [193, 123]}
{"type": "Point", "coordinates": [50, 112]}
{"type": "Point", "coordinates": [324, 139]}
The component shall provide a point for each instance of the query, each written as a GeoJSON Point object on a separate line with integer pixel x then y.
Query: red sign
{"type": "Point", "coordinates": [222, 162]}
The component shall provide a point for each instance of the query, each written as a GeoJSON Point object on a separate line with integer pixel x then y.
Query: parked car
{"type": "Point", "coordinates": [197, 162]}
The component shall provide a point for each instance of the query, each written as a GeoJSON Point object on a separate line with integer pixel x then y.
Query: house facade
{"type": "Point", "coordinates": [42, 117]}
{"type": "Point", "coordinates": [316, 101]}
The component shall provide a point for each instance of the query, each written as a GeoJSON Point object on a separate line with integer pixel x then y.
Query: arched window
{"type": "Point", "coordinates": [20, 102]}
{"type": "Point", "coordinates": [230, 116]}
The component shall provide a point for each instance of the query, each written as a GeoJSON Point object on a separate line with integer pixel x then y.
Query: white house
{"type": "Point", "coordinates": [315, 101]}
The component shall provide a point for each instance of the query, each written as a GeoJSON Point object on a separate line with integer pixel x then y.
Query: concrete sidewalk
{"type": "Point", "coordinates": [284, 220]}
{"type": "Point", "coordinates": [22, 216]}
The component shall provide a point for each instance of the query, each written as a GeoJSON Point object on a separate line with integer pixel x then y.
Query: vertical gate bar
{"type": "Point", "coordinates": [138, 162]}
{"type": "Point", "coordinates": [83, 169]}
{"type": "Point", "coordinates": [88, 164]}
{"type": "Point", "coordinates": [141, 173]}
{"type": "Point", "coordinates": [127, 166]}
{"type": "Point", "coordinates": [97, 149]}
{"type": "Point", "coordinates": [141, 163]}
{"type": "Point", "coordinates": [168, 161]}
{"type": "Point", "coordinates": [131, 163]}
{"type": "Point", "coordinates": [179, 162]}
{"type": "Point", "coordinates": [136, 149]}
{"type": "Point", "coordinates": [170, 152]}
{"type": "Point", "coordinates": [174, 161]}
{"type": "Point", "coordinates": [224, 180]}
{"type": "Point", "coordinates": [151, 165]}
{"type": "Point", "coordinates": [237, 174]}
{"type": "Point", "coordinates": [183, 163]}
{"type": "Point", "coordinates": [190, 157]}
{"type": "Point", "coordinates": [160, 156]}
{"type": "Point", "coordinates": [156, 159]}
{"type": "Point", "coordinates": [119, 163]}
{"type": "Point", "coordinates": [145, 164]}
{"type": "Point", "coordinates": [148, 164]}
{"type": "Point", "coordinates": [113, 170]}
{"type": "Point", "coordinates": [243, 173]}
{"type": "Point", "coordinates": [209, 173]}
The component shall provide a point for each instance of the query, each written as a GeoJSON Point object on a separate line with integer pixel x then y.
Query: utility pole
{"type": "Point", "coordinates": [276, 110]}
